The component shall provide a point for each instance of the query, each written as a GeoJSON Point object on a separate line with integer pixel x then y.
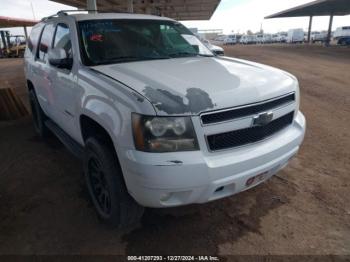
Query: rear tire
{"type": "Point", "coordinates": [106, 186]}
{"type": "Point", "coordinates": [39, 116]}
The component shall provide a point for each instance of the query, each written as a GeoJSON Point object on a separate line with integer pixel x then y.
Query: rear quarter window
{"type": "Point", "coordinates": [45, 41]}
{"type": "Point", "coordinates": [34, 38]}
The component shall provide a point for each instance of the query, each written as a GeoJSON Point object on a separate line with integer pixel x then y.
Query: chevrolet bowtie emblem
{"type": "Point", "coordinates": [262, 119]}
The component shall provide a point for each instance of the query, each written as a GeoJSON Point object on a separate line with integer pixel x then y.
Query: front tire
{"type": "Point", "coordinates": [106, 186]}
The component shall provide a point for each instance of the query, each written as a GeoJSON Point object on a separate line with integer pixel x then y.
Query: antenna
{"type": "Point", "coordinates": [31, 5]}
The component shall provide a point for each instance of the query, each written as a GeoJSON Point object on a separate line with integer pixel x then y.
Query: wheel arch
{"type": "Point", "coordinates": [92, 126]}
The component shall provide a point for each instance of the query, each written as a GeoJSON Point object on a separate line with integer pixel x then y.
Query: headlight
{"type": "Point", "coordinates": [163, 134]}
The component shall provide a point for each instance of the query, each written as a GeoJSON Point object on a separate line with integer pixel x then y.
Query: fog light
{"type": "Point", "coordinates": [165, 197]}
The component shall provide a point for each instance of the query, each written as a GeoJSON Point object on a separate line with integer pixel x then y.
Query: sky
{"type": "Point", "coordinates": [236, 16]}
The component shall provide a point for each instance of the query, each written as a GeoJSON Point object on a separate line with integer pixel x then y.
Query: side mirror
{"type": "Point", "coordinates": [58, 58]}
{"type": "Point", "coordinates": [218, 52]}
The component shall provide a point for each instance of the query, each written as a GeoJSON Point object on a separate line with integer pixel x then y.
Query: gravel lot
{"type": "Point", "coordinates": [305, 209]}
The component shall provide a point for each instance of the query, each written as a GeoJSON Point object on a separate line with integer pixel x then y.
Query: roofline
{"type": "Point", "coordinates": [278, 15]}
{"type": "Point", "coordinates": [96, 13]}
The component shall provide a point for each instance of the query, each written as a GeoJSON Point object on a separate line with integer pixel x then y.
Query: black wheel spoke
{"type": "Point", "coordinates": [99, 185]}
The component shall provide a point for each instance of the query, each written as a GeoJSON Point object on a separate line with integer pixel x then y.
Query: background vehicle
{"type": "Point", "coordinates": [220, 38]}
{"type": "Point", "coordinates": [275, 38]}
{"type": "Point", "coordinates": [214, 48]}
{"type": "Point", "coordinates": [282, 37]}
{"type": "Point", "coordinates": [295, 36]}
{"type": "Point", "coordinates": [230, 40]}
{"type": "Point", "coordinates": [259, 38]}
{"type": "Point", "coordinates": [248, 39]}
{"type": "Point", "coordinates": [342, 35]}
{"type": "Point", "coordinates": [318, 37]}
{"type": "Point", "coordinates": [267, 39]}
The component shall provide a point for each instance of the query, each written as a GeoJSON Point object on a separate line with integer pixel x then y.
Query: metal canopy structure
{"type": "Point", "coordinates": [6, 22]}
{"type": "Point", "coordinates": [176, 9]}
{"type": "Point", "coordinates": [15, 22]}
{"type": "Point", "coordinates": [317, 8]}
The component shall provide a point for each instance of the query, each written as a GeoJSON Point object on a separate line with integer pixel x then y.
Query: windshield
{"type": "Point", "coordinates": [117, 41]}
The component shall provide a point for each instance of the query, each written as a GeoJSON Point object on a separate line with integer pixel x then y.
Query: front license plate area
{"type": "Point", "coordinates": [257, 179]}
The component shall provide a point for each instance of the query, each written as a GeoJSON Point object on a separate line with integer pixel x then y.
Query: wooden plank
{"type": "Point", "coordinates": [11, 106]}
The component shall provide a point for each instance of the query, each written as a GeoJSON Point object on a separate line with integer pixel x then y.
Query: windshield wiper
{"type": "Point", "coordinates": [187, 54]}
{"type": "Point", "coordinates": [182, 54]}
{"type": "Point", "coordinates": [121, 59]}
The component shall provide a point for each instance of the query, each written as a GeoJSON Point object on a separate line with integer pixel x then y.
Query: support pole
{"type": "Point", "coordinates": [91, 5]}
{"type": "Point", "coordinates": [130, 6]}
{"type": "Point", "coordinates": [25, 32]}
{"type": "Point", "coordinates": [309, 32]}
{"type": "Point", "coordinates": [2, 33]}
{"type": "Point", "coordinates": [7, 35]}
{"type": "Point", "coordinates": [328, 41]}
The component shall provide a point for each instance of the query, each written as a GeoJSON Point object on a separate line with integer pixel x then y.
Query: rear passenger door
{"type": "Point", "coordinates": [41, 70]}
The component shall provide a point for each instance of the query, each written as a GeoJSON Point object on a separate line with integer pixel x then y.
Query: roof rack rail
{"type": "Point", "coordinates": [65, 12]}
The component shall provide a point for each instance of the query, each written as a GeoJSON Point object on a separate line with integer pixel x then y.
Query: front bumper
{"type": "Point", "coordinates": [173, 179]}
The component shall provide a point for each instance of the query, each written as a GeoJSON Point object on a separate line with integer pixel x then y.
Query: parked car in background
{"type": "Point", "coordinates": [282, 37]}
{"type": "Point", "coordinates": [259, 38]}
{"type": "Point", "coordinates": [248, 39]}
{"type": "Point", "coordinates": [275, 38]}
{"type": "Point", "coordinates": [318, 36]}
{"type": "Point", "coordinates": [220, 38]}
{"type": "Point", "coordinates": [295, 36]}
{"type": "Point", "coordinates": [267, 39]}
{"type": "Point", "coordinates": [342, 35]}
{"type": "Point", "coordinates": [218, 50]}
{"type": "Point", "coordinates": [230, 40]}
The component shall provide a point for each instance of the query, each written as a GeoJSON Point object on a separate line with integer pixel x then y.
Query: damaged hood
{"type": "Point", "coordinates": [189, 86]}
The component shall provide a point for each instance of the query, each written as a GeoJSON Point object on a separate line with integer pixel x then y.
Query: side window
{"type": "Point", "coordinates": [34, 38]}
{"type": "Point", "coordinates": [45, 41]}
{"type": "Point", "coordinates": [62, 39]}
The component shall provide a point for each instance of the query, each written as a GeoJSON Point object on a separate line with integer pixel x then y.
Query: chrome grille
{"type": "Point", "coordinates": [248, 135]}
{"type": "Point", "coordinates": [248, 110]}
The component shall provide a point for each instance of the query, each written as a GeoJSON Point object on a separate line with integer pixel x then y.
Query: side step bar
{"type": "Point", "coordinates": [75, 148]}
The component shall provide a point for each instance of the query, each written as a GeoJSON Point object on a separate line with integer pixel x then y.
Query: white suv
{"type": "Point", "coordinates": [158, 120]}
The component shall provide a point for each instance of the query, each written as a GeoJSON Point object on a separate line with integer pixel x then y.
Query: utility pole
{"type": "Point", "coordinates": [91, 6]}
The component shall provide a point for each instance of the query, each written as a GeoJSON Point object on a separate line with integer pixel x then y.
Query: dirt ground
{"type": "Point", "coordinates": [305, 210]}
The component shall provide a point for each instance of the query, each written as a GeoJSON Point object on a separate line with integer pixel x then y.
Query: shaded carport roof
{"type": "Point", "coordinates": [316, 8]}
{"type": "Point", "coordinates": [15, 22]}
{"type": "Point", "coordinates": [176, 9]}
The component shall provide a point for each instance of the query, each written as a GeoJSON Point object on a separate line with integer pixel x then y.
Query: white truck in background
{"type": "Point", "coordinates": [248, 39]}
{"type": "Point", "coordinates": [295, 36]}
{"type": "Point", "coordinates": [259, 38]}
{"type": "Point", "coordinates": [319, 37]}
{"type": "Point", "coordinates": [342, 35]}
{"type": "Point", "coordinates": [230, 40]}
{"type": "Point", "coordinates": [267, 39]}
{"type": "Point", "coordinates": [282, 37]}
